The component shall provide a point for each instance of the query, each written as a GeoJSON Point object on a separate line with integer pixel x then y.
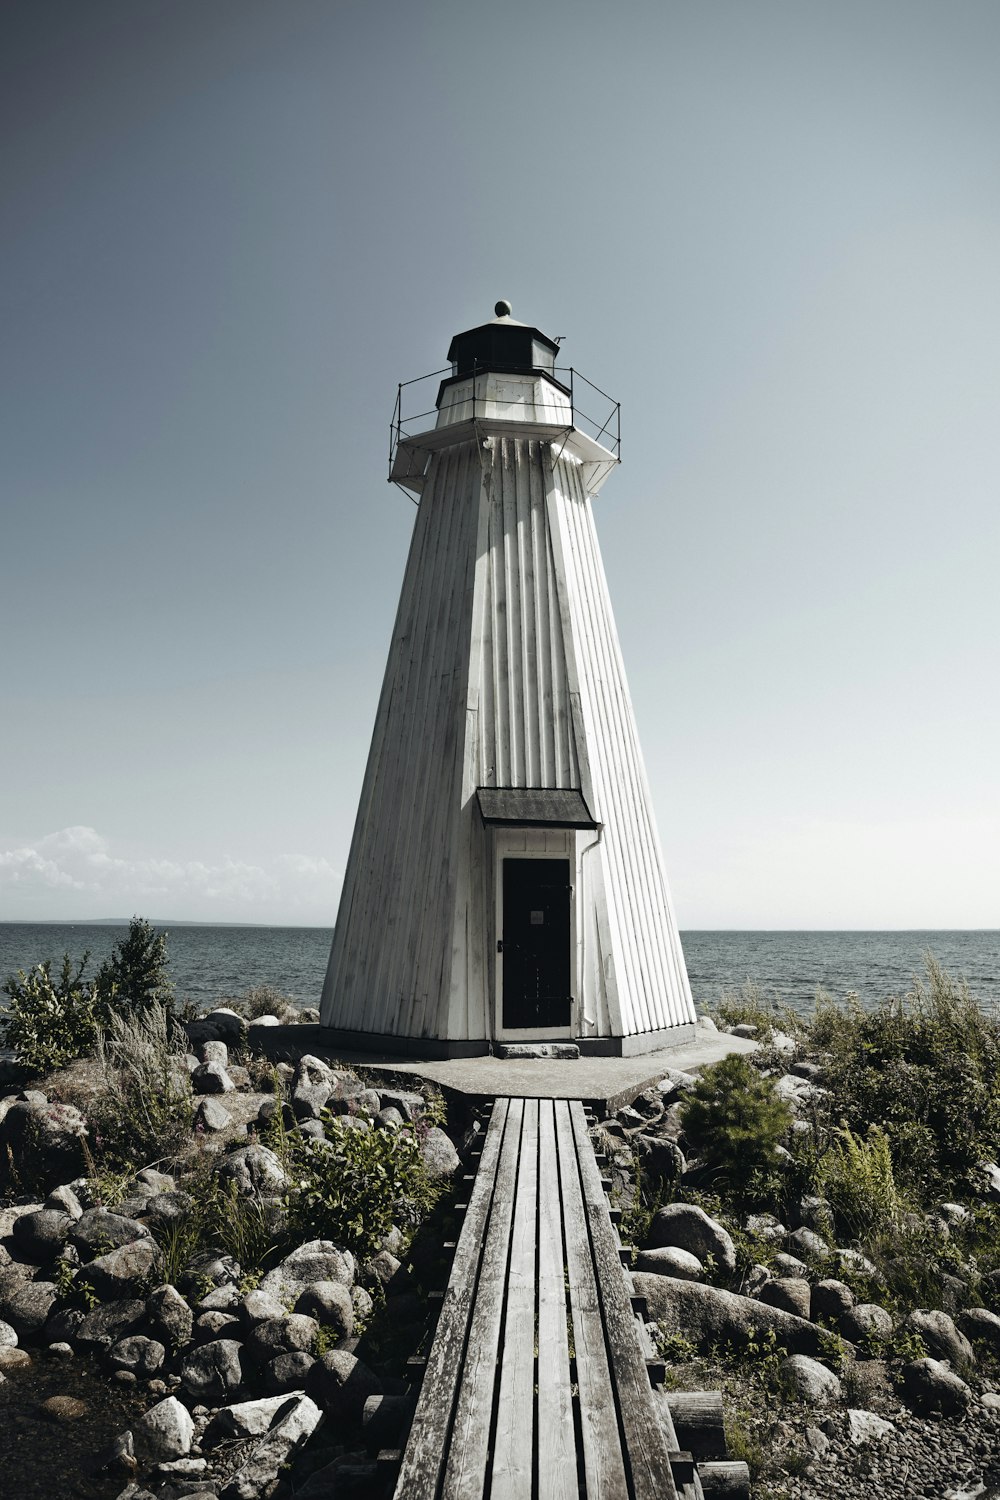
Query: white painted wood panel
{"type": "Point", "coordinates": [504, 670]}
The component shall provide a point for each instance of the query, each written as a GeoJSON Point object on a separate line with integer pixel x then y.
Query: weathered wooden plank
{"type": "Point", "coordinates": [424, 1457]}
{"type": "Point", "coordinates": [465, 1474]}
{"type": "Point", "coordinates": [512, 1447]}
{"type": "Point", "coordinates": [557, 1472]}
{"type": "Point", "coordinates": [603, 1463]}
{"type": "Point", "coordinates": [642, 1431]}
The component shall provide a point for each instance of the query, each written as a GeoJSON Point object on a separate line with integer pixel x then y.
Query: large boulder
{"type": "Point", "coordinates": [690, 1228]}
{"type": "Point", "coordinates": [929, 1385]}
{"type": "Point", "coordinates": [99, 1230]}
{"type": "Point", "coordinates": [291, 1427]}
{"type": "Point", "coordinates": [340, 1384]}
{"type": "Point", "coordinates": [122, 1272]}
{"type": "Point", "coordinates": [164, 1433]}
{"type": "Point", "coordinates": [41, 1139]}
{"type": "Point", "coordinates": [169, 1317]}
{"type": "Point", "coordinates": [212, 1374]}
{"type": "Point", "coordinates": [710, 1315]}
{"type": "Point", "coordinates": [809, 1380]}
{"type": "Point", "coordinates": [316, 1260]}
{"type": "Point", "coordinates": [941, 1338]}
{"type": "Point", "coordinates": [293, 1333]}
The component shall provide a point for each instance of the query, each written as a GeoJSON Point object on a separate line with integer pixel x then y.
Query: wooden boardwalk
{"type": "Point", "coordinates": [536, 1385]}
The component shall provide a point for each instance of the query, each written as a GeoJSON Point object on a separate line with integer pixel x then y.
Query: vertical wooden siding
{"type": "Point", "coordinates": [504, 670]}
{"type": "Point", "coordinates": [635, 952]}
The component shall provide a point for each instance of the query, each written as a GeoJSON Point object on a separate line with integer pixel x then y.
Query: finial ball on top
{"type": "Point", "coordinates": [502, 309]}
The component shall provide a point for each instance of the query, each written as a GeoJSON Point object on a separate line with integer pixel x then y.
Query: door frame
{"type": "Point", "coordinates": [556, 843]}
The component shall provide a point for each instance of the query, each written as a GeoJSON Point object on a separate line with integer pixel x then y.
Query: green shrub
{"type": "Point", "coordinates": [142, 1108]}
{"type": "Point", "coordinates": [736, 1120]}
{"type": "Point", "coordinates": [136, 972]}
{"type": "Point", "coordinates": [754, 1006]}
{"type": "Point", "coordinates": [857, 1179]}
{"type": "Point", "coordinates": [51, 1022]}
{"type": "Point", "coordinates": [924, 1068]}
{"type": "Point", "coordinates": [352, 1187]}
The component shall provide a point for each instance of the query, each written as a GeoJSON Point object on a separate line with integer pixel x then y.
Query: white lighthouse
{"type": "Point", "coordinates": [505, 881]}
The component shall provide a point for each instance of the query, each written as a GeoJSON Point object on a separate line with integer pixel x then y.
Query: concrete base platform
{"type": "Point", "coordinates": [606, 1083]}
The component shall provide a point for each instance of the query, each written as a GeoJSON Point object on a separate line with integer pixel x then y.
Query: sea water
{"type": "Point", "coordinates": [211, 964]}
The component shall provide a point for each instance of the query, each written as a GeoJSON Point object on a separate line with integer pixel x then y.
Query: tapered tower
{"type": "Point", "coordinates": [505, 881]}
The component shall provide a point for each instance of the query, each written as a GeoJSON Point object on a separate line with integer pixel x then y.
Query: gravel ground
{"type": "Point", "coordinates": [797, 1452]}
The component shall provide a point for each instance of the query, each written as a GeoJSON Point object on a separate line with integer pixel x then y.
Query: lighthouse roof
{"type": "Point", "coordinates": [503, 343]}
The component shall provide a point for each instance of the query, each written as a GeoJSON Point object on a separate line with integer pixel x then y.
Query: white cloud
{"type": "Point", "coordinates": [77, 866]}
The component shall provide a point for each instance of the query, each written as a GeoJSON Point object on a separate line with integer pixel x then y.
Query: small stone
{"type": "Point", "coordinates": [438, 1154]}
{"type": "Point", "coordinates": [164, 1432]}
{"type": "Point", "coordinates": [212, 1078]}
{"type": "Point", "coordinates": [14, 1359]}
{"type": "Point", "coordinates": [8, 1337]}
{"type": "Point", "coordinates": [671, 1260]}
{"type": "Point", "coordinates": [64, 1408]}
{"type": "Point", "coordinates": [862, 1427]}
{"type": "Point", "coordinates": [809, 1380]}
{"type": "Point", "coordinates": [788, 1292]}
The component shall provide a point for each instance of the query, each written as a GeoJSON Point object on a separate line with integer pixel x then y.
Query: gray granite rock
{"type": "Point", "coordinates": [211, 1116]}
{"type": "Point", "coordinates": [122, 1271]}
{"type": "Point", "coordinates": [288, 1372]}
{"type": "Point", "coordinates": [105, 1324]}
{"type": "Point", "coordinates": [671, 1260]}
{"type": "Point", "coordinates": [788, 1292]}
{"type": "Point", "coordinates": [929, 1385]}
{"type": "Point", "coordinates": [212, 1078]}
{"type": "Point", "coordinates": [254, 1169]}
{"type": "Point", "coordinates": [99, 1230]}
{"type": "Point", "coordinates": [690, 1228]}
{"type": "Point", "coordinates": [809, 1381]}
{"type": "Point", "coordinates": [830, 1300]}
{"type": "Point", "coordinates": [64, 1198]}
{"type": "Point", "coordinates": [143, 1356]}
{"type": "Point", "coordinates": [708, 1315]}
{"type": "Point", "coordinates": [864, 1427]}
{"type": "Point", "coordinates": [213, 1373]}
{"type": "Point", "coordinates": [25, 1305]}
{"type": "Point", "coordinates": [164, 1432]}
{"type": "Point", "coordinates": [329, 1302]}
{"type": "Point", "coordinates": [317, 1260]}
{"type": "Point", "coordinates": [941, 1338]}
{"type": "Point", "coordinates": [340, 1384]}
{"type": "Point", "coordinates": [866, 1323]}
{"type": "Point", "coordinates": [290, 1429]}
{"type": "Point", "coordinates": [437, 1151]}
{"type": "Point", "coordinates": [39, 1237]}
{"type": "Point", "coordinates": [169, 1317]}
{"type": "Point", "coordinates": [293, 1333]}
{"type": "Point", "coordinates": [979, 1325]}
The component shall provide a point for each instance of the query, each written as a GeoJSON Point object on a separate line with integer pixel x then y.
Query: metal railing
{"type": "Point", "coordinates": [416, 408]}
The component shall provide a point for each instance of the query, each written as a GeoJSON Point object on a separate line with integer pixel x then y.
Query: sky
{"type": "Point", "coordinates": [770, 228]}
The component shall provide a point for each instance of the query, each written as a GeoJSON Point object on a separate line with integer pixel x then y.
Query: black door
{"type": "Point", "coordinates": [536, 897]}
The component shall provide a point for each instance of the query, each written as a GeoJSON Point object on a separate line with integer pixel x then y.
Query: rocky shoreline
{"type": "Point", "coordinates": [826, 1394]}
{"type": "Point", "coordinates": [283, 1374]}
{"type": "Point", "coordinates": [248, 1385]}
